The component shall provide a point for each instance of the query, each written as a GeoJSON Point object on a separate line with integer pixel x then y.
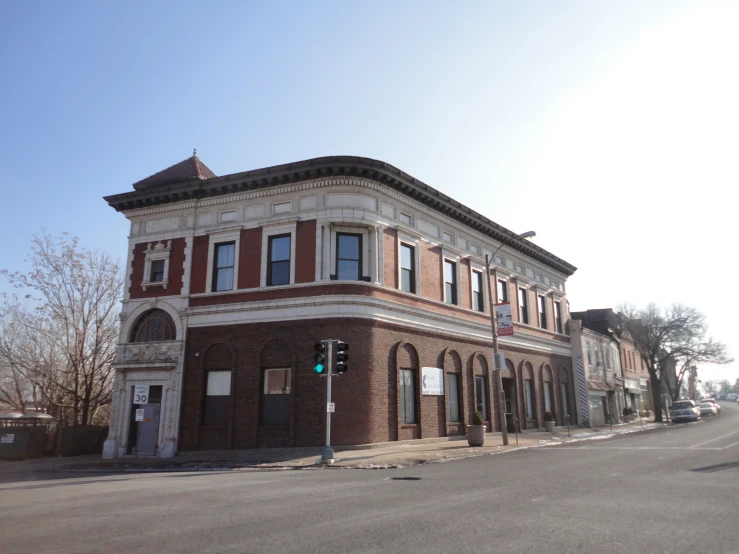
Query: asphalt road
{"type": "Point", "coordinates": [668, 490]}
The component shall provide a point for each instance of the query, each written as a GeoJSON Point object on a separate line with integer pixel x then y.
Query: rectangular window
{"type": "Point", "coordinates": [278, 261]}
{"type": "Point", "coordinates": [480, 396]}
{"type": "Point", "coordinates": [157, 271]}
{"type": "Point", "coordinates": [276, 397]}
{"type": "Point", "coordinates": [529, 395]}
{"type": "Point", "coordinates": [523, 305]}
{"type": "Point", "coordinates": [448, 237]}
{"type": "Point", "coordinates": [223, 266]}
{"type": "Point", "coordinates": [502, 291]}
{"type": "Point", "coordinates": [349, 257]}
{"type": "Point", "coordinates": [407, 268]}
{"type": "Point", "coordinates": [565, 404]}
{"type": "Point", "coordinates": [588, 347]}
{"type": "Point", "coordinates": [217, 395]}
{"type": "Point", "coordinates": [477, 301]}
{"type": "Point", "coordinates": [474, 248]}
{"type": "Point", "coordinates": [407, 397]}
{"type": "Point", "coordinates": [542, 312]}
{"type": "Point", "coordinates": [519, 269]}
{"type": "Point", "coordinates": [547, 397]}
{"type": "Point", "coordinates": [450, 282]}
{"type": "Point", "coordinates": [405, 218]}
{"type": "Point", "coordinates": [558, 317]}
{"type": "Point", "coordinates": [452, 398]}
{"type": "Point", "coordinates": [499, 260]}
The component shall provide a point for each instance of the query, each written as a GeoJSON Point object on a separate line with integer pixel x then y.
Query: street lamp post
{"type": "Point", "coordinates": [494, 325]}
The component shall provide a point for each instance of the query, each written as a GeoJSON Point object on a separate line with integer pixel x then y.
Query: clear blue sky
{"type": "Point", "coordinates": [608, 127]}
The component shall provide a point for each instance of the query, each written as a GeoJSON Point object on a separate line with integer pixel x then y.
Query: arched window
{"type": "Point", "coordinates": [153, 326]}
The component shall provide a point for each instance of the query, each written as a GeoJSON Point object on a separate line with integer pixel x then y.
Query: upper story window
{"type": "Point", "coordinates": [502, 291]}
{"type": "Point", "coordinates": [542, 311]}
{"type": "Point", "coordinates": [558, 317]}
{"type": "Point", "coordinates": [474, 248]}
{"type": "Point", "coordinates": [448, 237]}
{"type": "Point", "coordinates": [477, 300]}
{"type": "Point", "coordinates": [223, 266]}
{"type": "Point", "coordinates": [349, 257]}
{"type": "Point", "coordinates": [157, 271]}
{"type": "Point", "coordinates": [278, 263]}
{"type": "Point", "coordinates": [405, 218]}
{"type": "Point", "coordinates": [499, 260]}
{"type": "Point", "coordinates": [523, 305]}
{"type": "Point", "coordinates": [450, 282]}
{"type": "Point", "coordinates": [519, 269]}
{"type": "Point", "coordinates": [153, 326]}
{"type": "Point", "coordinates": [407, 268]}
{"type": "Point", "coordinates": [588, 349]}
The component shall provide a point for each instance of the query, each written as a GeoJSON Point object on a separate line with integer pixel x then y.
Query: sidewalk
{"type": "Point", "coordinates": [370, 456]}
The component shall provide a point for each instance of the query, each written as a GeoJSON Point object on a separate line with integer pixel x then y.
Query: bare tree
{"type": "Point", "coordinates": [673, 335]}
{"type": "Point", "coordinates": [63, 344]}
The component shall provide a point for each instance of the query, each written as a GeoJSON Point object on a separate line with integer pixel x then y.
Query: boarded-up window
{"type": "Point", "coordinates": [276, 397]}
{"type": "Point", "coordinates": [217, 396]}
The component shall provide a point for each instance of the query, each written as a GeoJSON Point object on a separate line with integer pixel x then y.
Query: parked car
{"type": "Point", "coordinates": [731, 397]}
{"type": "Point", "coordinates": [707, 408]}
{"type": "Point", "coordinates": [712, 401]}
{"type": "Point", "coordinates": [685, 410]}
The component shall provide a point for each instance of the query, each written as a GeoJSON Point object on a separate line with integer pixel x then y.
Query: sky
{"type": "Point", "coordinates": [609, 128]}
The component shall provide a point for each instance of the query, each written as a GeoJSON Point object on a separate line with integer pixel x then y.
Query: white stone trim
{"type": "Point", "coordinates": [271, 231]}
{"type": "Point", "coordinates": [159, 251]}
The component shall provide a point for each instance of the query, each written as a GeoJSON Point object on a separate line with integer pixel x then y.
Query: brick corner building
{"type": "Point", "coordinates": [231, 281]}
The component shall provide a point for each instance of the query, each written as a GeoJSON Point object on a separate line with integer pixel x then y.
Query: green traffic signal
{"type": "Point", "coordinates": [319, 357]}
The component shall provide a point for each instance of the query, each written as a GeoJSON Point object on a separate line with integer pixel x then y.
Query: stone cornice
{"type": "Point", "coordinates": [296, 174]}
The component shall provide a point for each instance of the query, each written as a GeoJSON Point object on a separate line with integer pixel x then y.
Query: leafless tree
{"type": "Point", "coordinates": [62, 341]}
{"type": "Point", "coordinates": [664, 336]}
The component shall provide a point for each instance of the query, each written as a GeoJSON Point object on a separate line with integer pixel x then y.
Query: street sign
{"type": "Point", "coordinates": [139, 414]}
{"type": "Point", "coordinates": [141, 394]}
{"type": "Point", "coordinates": [7, 439]}
{"type": "Point", "coordinates": [330, 407]}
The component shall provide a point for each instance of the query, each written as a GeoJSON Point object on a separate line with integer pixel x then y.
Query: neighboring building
{"type": "Point", "coordinates": [231, 280]}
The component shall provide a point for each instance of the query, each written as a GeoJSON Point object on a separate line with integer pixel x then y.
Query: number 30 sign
{"type": "Point", "coordinates": [141, 394]}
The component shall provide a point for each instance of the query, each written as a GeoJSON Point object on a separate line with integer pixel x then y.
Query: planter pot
{"type": "Point", "coordinates": [627, 419]}
{"type": "Point", "coordinates": [476, 435]}
{"type": "Point", "coordinates": [549, 426]}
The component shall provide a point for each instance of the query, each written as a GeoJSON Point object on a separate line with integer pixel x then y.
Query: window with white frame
{"type": "Point", "coordinates": [223, 261]}
{"type": "Point", "coordinates": [405, 218]}
{"type": "Point", "coordinates": [407, 268]}
{"type": "Point", "coordinates": [558, 316]}
{"type": "Point", "coordinates": [352, 253]}
{"type": "Point", "coordinates": [523, 305]}
{"type": "Point", "coordinates": [499, 260]}
{"type": "Point", "coordinates": [502, 291]}
{"type": "Point", "coordinates": [348, 257]}
{"type": "Point", "coordinates": [542, 311]}
{"type": "Point", "coordinates": [156, 264]}
{"type": "Point", "coordinates": [478, 303]}
{"type": "Point", "coordinates": [450, 282]}
{"type": "Point", "coordinates": [278, 255]}
{"type": "Point", "coordinates": [448, 237]}
{"type": "Point", "coordinates": [474, 248]}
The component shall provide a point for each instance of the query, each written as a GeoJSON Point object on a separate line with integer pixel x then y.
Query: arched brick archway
{"type": "Point", "coordinates": [404, 411]}
{"type": "Point", "coordinates": [528, 396]}
{"type": "Point", "coordinates": [548, 400]}
{"type": "Point", "coordinates": [454, 403]}
{"type": "Point", "coordinates": [479, 389]}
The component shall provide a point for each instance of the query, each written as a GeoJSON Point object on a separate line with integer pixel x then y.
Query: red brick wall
{"type": "Point", "coordinates": [366, 397]}
{"type": "Point", "coordinates": [176, 271]}
{"type": "Point", "coordinates": [432, 271]}
{"type": "Point", "coordinates": [390, 253]}
{"type": "Point", "coordinates": [250, 258]}
{"type": "Point", "coordinates": [199, 268]}
{"type": "Point", "coordinates": [465, 288]}
{"type": "Point", "coordinates": [305, 252]}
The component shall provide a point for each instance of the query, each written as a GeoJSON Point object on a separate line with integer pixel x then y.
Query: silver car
{"type": "Point", "coordinates": [707, 408]}
{"type": "Point", "coordinates": [685, 410]}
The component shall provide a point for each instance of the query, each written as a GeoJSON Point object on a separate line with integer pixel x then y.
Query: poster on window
{"type": "Point", "coordinates": [432, 381]}
{"type": "Point", "coordinates": [504, 319]}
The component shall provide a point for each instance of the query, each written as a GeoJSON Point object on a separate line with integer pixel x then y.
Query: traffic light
{"type": "Point", "coordinates": [342, 357]}
{"type": "Point", "coordinates": [319, 358]}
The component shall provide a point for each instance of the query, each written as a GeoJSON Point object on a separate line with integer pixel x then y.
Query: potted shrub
{"type": "Point", "coordinates": [476, 431]}
{"type": "Point", "coordinates": [549, 421]}
{"type": "Point", "coordinates": [627, 412]}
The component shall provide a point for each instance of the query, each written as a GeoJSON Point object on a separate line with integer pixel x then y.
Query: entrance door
{"type": "Point", "coordinates": [148, 430]}
{"type": "Point", "coordinates": [509, 389]}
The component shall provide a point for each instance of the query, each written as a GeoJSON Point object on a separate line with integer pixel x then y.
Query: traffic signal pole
{"type": "Point", "coordinates": [328, 453]}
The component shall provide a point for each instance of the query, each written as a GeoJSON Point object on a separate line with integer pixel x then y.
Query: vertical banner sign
{"type": "Point", "coordinates": [504, 319]}
{"type": "Point", "coordinates": [141, 394]}
{"type": "Point", "coordinates": [432, 381]}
